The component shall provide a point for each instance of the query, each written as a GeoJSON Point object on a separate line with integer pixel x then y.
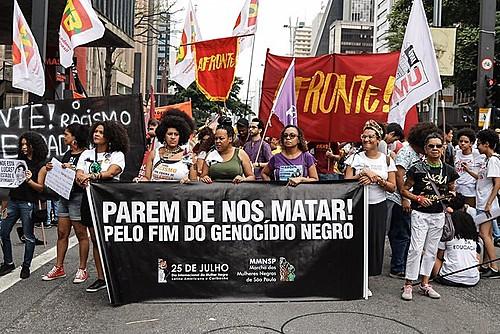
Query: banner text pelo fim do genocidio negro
{"type": "Point", "coordinates": [224, 240]}
{"type": "Point", "coordinates": [51, 118]}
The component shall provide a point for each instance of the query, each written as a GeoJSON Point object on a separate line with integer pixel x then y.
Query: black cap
{"type": "Point", "coordinates": [243, 122]}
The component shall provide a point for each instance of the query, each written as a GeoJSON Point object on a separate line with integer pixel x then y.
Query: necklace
{"type": "Point", "coordinates": [438, 164]}
{"type": "Point", "coordinates": [169, 153]}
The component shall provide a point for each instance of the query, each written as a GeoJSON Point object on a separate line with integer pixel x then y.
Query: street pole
{"type": "Point", "coordinates": [486, 50]}
{"type": "Point", "coordinates": [149, 45]}
{"type": "Point", "coordinates": [39, 19]}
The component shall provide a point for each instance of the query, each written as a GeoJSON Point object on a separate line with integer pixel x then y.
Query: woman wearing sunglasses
{"type": "Point", "coordinates": [377, 171]}
{"type": "Point", "coordinates": [293, 164]}
{"type": "Point", "coordinates": [226, 162]}
{"type": "Point", "coordinates": [427, 216]}
{"type": "Point", "coordinates": [104, 162]}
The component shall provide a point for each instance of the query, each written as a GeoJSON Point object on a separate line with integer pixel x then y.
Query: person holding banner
{"type": "Point", "coordinates": [104, 162]}
{"type": "Point", "coordinates": [226, 162]}
{"type": "Point", "coordinates": [76, 137]}
{"type": "Point", "coordinates": [376, 170]}
{"type": "Point", "coordinates": [170, 162]}
{"type": "Point", "coordinates": [22, 201]}
{"type": "Point", "coordinates": [424, 181]}
{"type": "Point", "coordinates": [294, 163]}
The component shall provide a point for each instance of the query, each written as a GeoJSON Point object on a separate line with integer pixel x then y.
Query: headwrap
{"type": "Point", "coordinates": [372, 125]}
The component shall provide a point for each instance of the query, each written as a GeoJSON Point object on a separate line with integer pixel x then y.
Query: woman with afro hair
{"type": "Point", "coordinates": [22, 200]}
{"type": "Point", "coordinates": [104, 162]}
{"type": "Point", "coordinates": [170, 161]}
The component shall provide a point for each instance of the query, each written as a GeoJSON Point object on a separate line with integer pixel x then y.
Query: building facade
{"type": "Point", "coordinates": [382, 9]}
{"type": "Point", "coordinates": [302, 40]}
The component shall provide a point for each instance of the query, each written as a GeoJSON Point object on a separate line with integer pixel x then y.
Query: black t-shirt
{"type": "Point", "coordinates": [73, 160]}
{"type": "Point", "coordinates": [441, 176]}
{"type": "Point", "coordinates": [24, 192]}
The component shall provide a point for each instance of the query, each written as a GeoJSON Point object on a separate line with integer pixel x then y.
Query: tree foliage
{"type": "Point", "coordinates": [464, 15]}
{"type": "Point", "coordinates": [203, 108]}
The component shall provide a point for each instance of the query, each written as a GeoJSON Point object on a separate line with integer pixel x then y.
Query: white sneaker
{"type": "Point", "coordinates": [427, 290]}
{"type": "Point", "coordinates": [407, 292]}
{"type": "Point", "coordinates": [370, 294]}
{"type": "Point", "coordinates": [81, 276]}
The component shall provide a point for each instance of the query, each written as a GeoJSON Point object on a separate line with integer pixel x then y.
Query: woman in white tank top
{"type": "Point", "coordinates": [170, 162]}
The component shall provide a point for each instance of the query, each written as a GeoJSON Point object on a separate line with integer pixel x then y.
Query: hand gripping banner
{"type": "Point", "coordinates": [253, 241]}
{"type": "Point", "coordinates": [215, 67]}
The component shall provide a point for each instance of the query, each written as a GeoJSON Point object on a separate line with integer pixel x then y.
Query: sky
{"type": "Point", "coordinates": [216, 19]}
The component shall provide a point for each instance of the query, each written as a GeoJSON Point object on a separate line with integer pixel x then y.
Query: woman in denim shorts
{"type": "Point", "coordinates": [76, 136]}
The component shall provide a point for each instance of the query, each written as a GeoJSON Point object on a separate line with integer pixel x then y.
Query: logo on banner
{"type": "Point", "coordinates": [287, 271]}
{"type": "Point", "coordinates": [411, 75]}
{"type": "Point", "coordinates": [27, 43]}
{"type": "Point", "coordinates": [75, 19]}
{"type": "Point", "coordinates": [163, 271]}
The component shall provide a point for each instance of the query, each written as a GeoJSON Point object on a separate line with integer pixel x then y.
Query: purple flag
{"type": "Point", "coordinates": [284, 106]}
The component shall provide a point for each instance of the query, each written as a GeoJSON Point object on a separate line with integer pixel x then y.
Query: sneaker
{"type": "Point", "coordinates": [99, 284]}
{"type": "Point", "coordinates": [370, 294]}
{"type": "Point", "coordinates": [427, 290]}
{"type": "Point", "coordinates": [47, 226]}
{"type": "Point", "coordinates": [25, 272]}
{"type": "Point", "coordinates": [490, 273]}
{"type": "Point", "coordinates": [407, 292]}
{"type": "Point", "coordinates": [54, 273]}
{"type": "Point", "coordinates": [38, 225]}
{"type": "Point", "coordinates": [38, 242]}
{"type": "Point", "coordinates": [81, 276]}
{"type": "Point", "coordinates": [399, 275]}
{"type": "Point", "coordinates": [6, 268]}
{"type": "Point", "coordinates": [497, 243]}
{"type": "Point", "coordinates": [483, 269]}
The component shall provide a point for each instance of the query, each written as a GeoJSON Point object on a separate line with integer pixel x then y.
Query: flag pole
{"type": "Point", "coordinates": [264, 134]}
{"type": "Point", "coordinates": [250, 73]}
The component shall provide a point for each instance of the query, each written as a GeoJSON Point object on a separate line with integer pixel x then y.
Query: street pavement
{"type": "Point", "coordinates": [35, 306]}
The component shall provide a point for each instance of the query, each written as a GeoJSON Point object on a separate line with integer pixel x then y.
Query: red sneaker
{"type": "Point", "coordinates": [81, 276]}
{"type": "Point", "coordinates": [54, 273]}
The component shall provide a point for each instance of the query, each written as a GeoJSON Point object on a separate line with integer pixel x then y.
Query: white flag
{"type": "Point", "coordinates": [27, 67]}
{"type": "Point", "coordinates": [79, 25]}
{"type": "Point", "coordinates": [183, 72]}
{"type": "Point", "coordinates": [246, 23]}
{"type": "Point", "coordinates": [417, 76]}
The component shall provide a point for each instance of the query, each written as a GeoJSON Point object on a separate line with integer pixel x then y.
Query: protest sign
{"type": "Point", "coordinates": [251, 241]}
{"type": "Point", "coordinates": [12, 173]}
{"type": "Point", "coordinates": [50, 119]}
{"type": "Point", "coordinates": [60, 179]}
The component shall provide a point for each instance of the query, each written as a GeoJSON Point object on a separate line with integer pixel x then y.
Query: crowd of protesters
{"type": "Point", "coordinates": [412, 183]}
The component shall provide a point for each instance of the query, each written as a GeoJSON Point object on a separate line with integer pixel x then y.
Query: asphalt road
{"type": "Point", "coordinates": [34, 306]}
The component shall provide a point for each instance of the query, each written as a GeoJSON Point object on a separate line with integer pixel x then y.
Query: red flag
{"type": "Point", "coordinates": [215, 67]}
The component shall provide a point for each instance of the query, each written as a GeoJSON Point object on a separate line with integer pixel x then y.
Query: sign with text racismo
{"type": "Point", "coordinates": [51, 117]}
{"type": "Point", "coordinates": [251, 241]}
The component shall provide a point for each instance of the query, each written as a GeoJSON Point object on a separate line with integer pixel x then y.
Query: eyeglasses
{"type": "Point", "coordinates": [289, 135]}
{"type": "Point", "coordinates": [369, 137]}
{"type": "Point", "coordinates": [435, 146]}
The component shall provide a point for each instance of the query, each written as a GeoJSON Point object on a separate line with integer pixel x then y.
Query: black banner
{"type": "Point", "coordinates": [249, 241]}
{"type": "Point", "coordinates": [51, 117]}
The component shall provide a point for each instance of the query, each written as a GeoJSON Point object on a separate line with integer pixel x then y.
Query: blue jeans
{"type": "Point", "coordinates": [52, 204]}
{"type": "Point", "coordinates": [15, 210]}
{"type": "Point", "coordinates": [496, 229]}
{"type": "Point", "coordinates": [399, 238]}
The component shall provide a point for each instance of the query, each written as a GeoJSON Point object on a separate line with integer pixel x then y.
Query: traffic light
{"type": "Point", "coordinates": [491, 86]}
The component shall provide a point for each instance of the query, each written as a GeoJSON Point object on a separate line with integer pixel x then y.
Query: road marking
{"type": "Point", "coordinates": [140, 321]}
{"type": "Point", "coordinates": [9, 280]}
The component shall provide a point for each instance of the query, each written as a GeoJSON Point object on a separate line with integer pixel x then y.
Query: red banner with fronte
{"type": "Point", "coordinates": [215, 67]}
{"type": "Point", "coordinates": [336, 94]}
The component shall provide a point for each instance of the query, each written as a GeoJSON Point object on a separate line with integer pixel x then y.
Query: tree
{"type": "Point", "coordinates": [203, 108]}
{"type": "Point", "coordinates": [462, 14]}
